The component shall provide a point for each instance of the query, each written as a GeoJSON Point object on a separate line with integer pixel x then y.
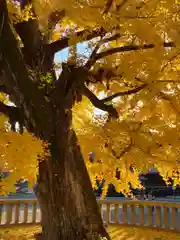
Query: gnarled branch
{"type": "Point", "coordinates": [92, 57]}
{"type": "Point", "coordinates": [108, 6]}
{"type": "Point", "coordinates": [100, 104]}
{"type": "Point", "coordinates": [128, 92]}
{"type": "Point", "coordinates": [130, 48]}
{"type": "Point", "coordinates": [62, 43]}
{"type": "Point", "coordinates": [30, 35]}
{"type": "Point", "coordinates": [34, 49]}
{"type": "Point", "coordinates": [13, 63]}
{"type": "Point", "coordinates": [118, 7]}
{"type": "Point", "coordinates": [54, 18]}
{"type": "Point", "coordinates": [18, 80]}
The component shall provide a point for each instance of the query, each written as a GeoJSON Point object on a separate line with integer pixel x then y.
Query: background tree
{"type": "Point", "coordinates": [131, 73]}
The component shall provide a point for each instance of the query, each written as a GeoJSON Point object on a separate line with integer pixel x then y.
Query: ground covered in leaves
{"type": "Point", "coordinates": [117, 233]}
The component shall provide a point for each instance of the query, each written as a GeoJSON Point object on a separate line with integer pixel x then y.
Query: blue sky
{"type": "Point", "coordinates": [61, 56]}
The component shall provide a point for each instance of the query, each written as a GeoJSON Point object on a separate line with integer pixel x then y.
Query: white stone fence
{"type": "Point", "coordinates": [163, 215]}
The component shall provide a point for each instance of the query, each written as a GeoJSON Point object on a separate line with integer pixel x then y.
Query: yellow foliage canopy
{"type": "Point", "coordinates": [147, 133]}
{"type": "Point", "coordinates": [18, 157]}
{"type": "Point", "coordinates": [132, 144]}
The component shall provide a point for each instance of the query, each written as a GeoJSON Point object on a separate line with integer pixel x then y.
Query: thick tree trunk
{"type": "Point", "coordinates": [67, 201]}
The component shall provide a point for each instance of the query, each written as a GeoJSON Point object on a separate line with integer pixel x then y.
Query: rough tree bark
{"type": "Point", "coordinates": [64, 191]}
{"type": "Point", "coordinates": [67, 201]}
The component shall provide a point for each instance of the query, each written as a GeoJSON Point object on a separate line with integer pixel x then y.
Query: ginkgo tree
{"type": "Point", "coordinates": [130, 71]}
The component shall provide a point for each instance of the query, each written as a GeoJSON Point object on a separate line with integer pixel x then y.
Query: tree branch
{"type": "Point", "coordinates": [64, 42]}
{"type": "Point", "coordinates": [118, 7]}
{"type": "Point", "coordinates": [13, 62]}
{"type": "Point", "coordinates": [108, 6]}
{"type": "Point", "coordinates": [131, 48]}
{"type": "Point", "coordinates": [30, 35]}
{"type": "Point", "coordinates": [128, 92]}
{"type": "Point", "coordinates": [18, 81]}
{"type": "Point", "coordinates": [54, 18]}
{"type": "Point", "coordinates": [165, 97]}
{"type": "Point", "coordinates": [92, 57]}
{"type": "Point", "coordinates": [100, 104]}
